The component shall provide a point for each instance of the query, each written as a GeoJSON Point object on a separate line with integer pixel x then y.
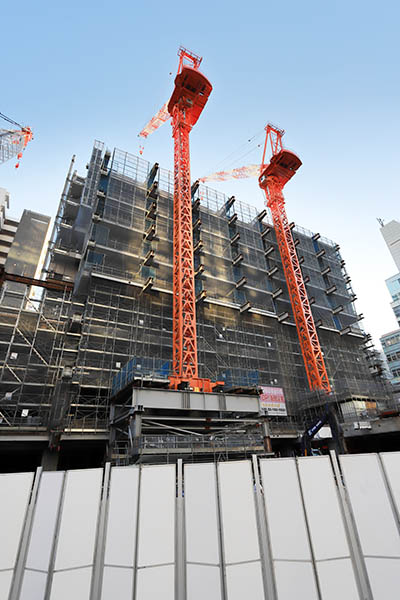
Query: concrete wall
{"type": "Point", "coordinates": [26, 249]}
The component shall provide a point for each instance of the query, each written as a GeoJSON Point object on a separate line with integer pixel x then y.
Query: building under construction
{"type": "Point", "coordinates": [69, 355]}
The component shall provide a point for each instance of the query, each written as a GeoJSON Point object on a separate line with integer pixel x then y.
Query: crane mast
{"type": "Point", "coordinates": [185, 106]}
{"type": "Point", "coordinates": [273, 177]}
{"type": "Point", "coordinates": [188, 99]}
{"type": "Point", "coordinates": [184, 338]}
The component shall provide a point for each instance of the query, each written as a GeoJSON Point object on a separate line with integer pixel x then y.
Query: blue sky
{"type": "Point", "coordinates": [326, 72]}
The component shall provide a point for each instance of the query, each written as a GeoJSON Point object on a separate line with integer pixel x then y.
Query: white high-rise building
{"type": "Point", "coordinates": [4, 204]}
{"type": "Point", "coordinates": [8, 227]}
{"type": "Point", "coordinates": [391, 235]}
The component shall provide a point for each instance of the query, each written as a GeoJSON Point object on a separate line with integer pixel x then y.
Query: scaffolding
{"type": "Point", "coordinates": [112, 240]}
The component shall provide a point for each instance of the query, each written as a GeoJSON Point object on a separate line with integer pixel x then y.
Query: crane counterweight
{"type": "Point", "coordinates": [191, 92]}
{"type": "Point", "coordinates": [282, 166]}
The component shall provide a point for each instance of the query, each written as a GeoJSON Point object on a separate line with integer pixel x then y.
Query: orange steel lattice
{"type": "Point", "coordinates": [13, 142]}
{"type": "Point", "coordinates": [273, 177]}
{"type": "Point", "coordinates": [184, 357]}
{"type": "Point", "coordinates": [185, 106]}
{"type": "Point", "coordinates": [188, 99]}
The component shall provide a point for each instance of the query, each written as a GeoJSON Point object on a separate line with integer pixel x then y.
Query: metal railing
{"type": "Point", "coordinates": [199, 443]}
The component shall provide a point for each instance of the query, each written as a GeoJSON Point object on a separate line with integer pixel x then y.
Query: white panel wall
{"type": "Point", "coordinates": [298, 517]}
{"type": "Point", "coordinates": [41, 543]}
{"type": "Point", "coordinates": [290, 545]}
{"type": "Point", "coordinates": [156, 536]}
{"type": "Point", "coordinates": [121, 534]}
{"type": "Point", "coordinates": [5, 583]}
{"type": "Point", "coordinates": [117, 583]}
{"type": "Point", "coordinates": [33, 585]}
{"type": "Point", "coordinates": [244, 581]}
{"type": "Point", "coordinates": [154, 583]}
{"type": "Point", "coordinates": [239, 530]}
{"type": "Point", "coordinates": [157, 515]}
{"type": "Point", "coordinates": [202, 533]}
{"type": "Point", "coordinates": [375, 521]}
{"type": "Point", "coordinates": [77, 535]}
{"type": "Point", "coordinates": [15, 490]}
{"type": "Point", "coordinates": [391, 465]}
{"type": "Point", "coordinates": [70, 584]}
{"type": "Point", "coordinates": [203, 581]}
{"type": "Point", "coordinates": [328, 534]}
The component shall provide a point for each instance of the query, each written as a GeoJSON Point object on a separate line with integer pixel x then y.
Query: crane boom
{"type": "Point", "coordinates": [238, 173]}
{"type": "Point", "coordinates": [155, 122]}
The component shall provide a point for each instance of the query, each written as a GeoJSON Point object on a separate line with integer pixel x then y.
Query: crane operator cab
{"type": "Point", "coordinates": [192, 90]}
{"type": "Point", "coordinates": [281, 167]}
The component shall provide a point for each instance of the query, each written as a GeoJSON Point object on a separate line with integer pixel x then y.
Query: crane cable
{"type": "Point", "coordinates": [244, 155]}
{"type": "Point", "coordinates": [239, 149]}
{"type": "Point", "coordinates": [11, 121]}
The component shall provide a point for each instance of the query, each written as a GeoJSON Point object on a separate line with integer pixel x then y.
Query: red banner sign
{"type": "Point", "coordinates": [273, 402]}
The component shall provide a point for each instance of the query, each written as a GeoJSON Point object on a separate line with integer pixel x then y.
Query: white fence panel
{"type": "Point", "coordinates": [122, 516]}
{"type": "Point", "coordinates": [203, 582]}
{"type": "Point", "coordinates": [74, 583]}
{"type": "Point", "coordinates": [15, 491]}
{"type": "Point", "coordinates": [239, 530]}
{"type": "Point", "coordinates": [42, 536]}
{"type": "Point", "coordinates": [287, 528]}
{"type": "Point", "coordinates": [117, 583]}
{"type": "Point", "coordinates": [156, 532]}
{"type": "Point", "coordinates": [121, 534]}
{"type": "Point", "coordinates": [157, 516]}
{"type": "Point", "coordinates": [244, 581]}
{"type": "Point", "coordinates": [308, 530]}
{"type": "Point", "coordinates": [391, 464]}
{"type": "Point", "coordinates": [327, 530]}
{"type": "Point", "coordinates": [77, 535]}
{"type": "Point", "coordinates": [202, 533]}
{"type": "Point", "coordinates": [156, 582]}
{"type": "Point", "coordinates": [376, 523]}
{"type": "Point", "coordinates": [44, 523]}
{"type": "Point", "coordinates": [5, 583]}
{"type": "Point", "coordinates": [33, 585]}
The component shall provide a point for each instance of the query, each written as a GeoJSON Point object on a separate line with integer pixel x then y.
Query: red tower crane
{"type": "Point", "coordinates": [273, 177]}
{"type": "Point", "coordinates": [185, 106]}
{"type": "Point", "coordinates": [13, 141]}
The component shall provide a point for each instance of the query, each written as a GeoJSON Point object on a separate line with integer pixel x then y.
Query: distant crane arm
{"type": "Point", "coordinates": [13, 142]}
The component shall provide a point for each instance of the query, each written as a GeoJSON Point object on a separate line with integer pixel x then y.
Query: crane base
{"type": "Point", "coordinates": [194, 384]}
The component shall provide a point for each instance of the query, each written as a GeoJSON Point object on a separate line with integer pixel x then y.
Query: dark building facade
{"type": "Point", "coordinates": [112, 240]}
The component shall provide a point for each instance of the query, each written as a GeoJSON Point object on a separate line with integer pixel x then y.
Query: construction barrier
{"type": "Point", "coordinates": [266, 529]}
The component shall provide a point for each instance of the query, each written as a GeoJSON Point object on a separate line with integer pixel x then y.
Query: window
{"type": "Point", "coordinates": [336, 322]}
{"type": "Point", "coordinates": [100, 233]}
{"type": "Point", "coordinates": [96, 258]}
{"type": "Point", "coordinates": [394, 356]}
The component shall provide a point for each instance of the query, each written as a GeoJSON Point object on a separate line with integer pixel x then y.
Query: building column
{"type": "Point", "coordinates": [50, 459]}
{"type": "Point", "coordinates": [266, 435]}
{"type": "Point", "coordinates": [135, 428]}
